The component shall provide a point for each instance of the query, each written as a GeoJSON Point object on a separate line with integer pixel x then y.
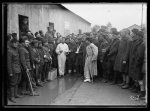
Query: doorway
{"type": "Point", "coordinates": [21, 18]}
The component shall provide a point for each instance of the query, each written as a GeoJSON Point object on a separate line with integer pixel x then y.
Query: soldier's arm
{"type": "Point", "coordinates": [113, 50]}
{"type": "Point", "coordinates": [9, 62]}
{"type": "Point", "coordinates": [126, 56]}
{"type": "Point", "coordinates": [22, 58]}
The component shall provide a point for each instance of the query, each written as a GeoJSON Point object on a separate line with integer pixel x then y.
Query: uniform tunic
{"type": "Point", "coordinates": [13, 60]}
{"type": "Point", "coordinates": [62, 57]}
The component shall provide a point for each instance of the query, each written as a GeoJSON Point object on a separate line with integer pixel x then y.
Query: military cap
{"type": "Point", "coordinates": [34, 41]}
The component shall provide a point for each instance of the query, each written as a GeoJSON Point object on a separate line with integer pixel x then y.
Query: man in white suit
{"type": "Point", "coordinates": [62, 49]}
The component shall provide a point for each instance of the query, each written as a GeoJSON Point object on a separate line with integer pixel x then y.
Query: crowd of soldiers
{"type": "Point", "coordinates": [120, 61]}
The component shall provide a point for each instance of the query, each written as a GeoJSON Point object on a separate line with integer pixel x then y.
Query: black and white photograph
{"type": "Point", "coordinates": [75, 54]}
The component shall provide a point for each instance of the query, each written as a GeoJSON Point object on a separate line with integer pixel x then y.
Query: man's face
{"type": "Point", "coordinates": [63, 40]}
{"type": "Point", "coordinates": [15, 44]}
{"type": "Point", "coordinates": [27, 43]}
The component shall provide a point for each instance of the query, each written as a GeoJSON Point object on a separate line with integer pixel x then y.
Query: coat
{"type": "Point", "coordinates": [103, 47]}
{"type": "Point", "coordinates": [82, 51]}
{"type": "Point", "coordinates": [136, 58]}
{"type": "Point", "coordinates": [90, 67]}
{"type": "Point", "coordinates": [47, 56]}
{"type": "Point", "coordinates": [41, 54]}
{"type": "Point", "coordinates": [122, 55]}
{"type": "Point", "coordinates": [24, 58]}
{"type": "Point", "coordinates": [112, 52]}
{"type": "Point", "coordinates": [13, 61]}
{"type": "Point", "coordinates": [36, 56]}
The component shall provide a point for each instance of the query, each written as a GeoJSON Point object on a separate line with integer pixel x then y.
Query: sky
{"type": "Point", "coordinates": [120, 15]}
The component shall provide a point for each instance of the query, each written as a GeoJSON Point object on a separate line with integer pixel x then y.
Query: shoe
{"type": "Point", "coordinates": [125, 86]}
{"type": "Point", "coordinates": [34, 86]}
{"type": "Point", "coordinates": [86, 80]}
{"type": "Point", "coordinates": [38, 84]}
{"type": "Point", "coordinates": [12, 100]}
{"type": "Point", "coordinates": [18, 96]}
{"type": "Point", "coordinates": [34, 94]}
{"type": "Point", "coordinates": [48, 80]}
{"type": "Point", "coordinates": [122, 84]}
{"type": "Point", "coordinates": [135, 90]}
{"type": "Point", "coordinates": [113, 83]}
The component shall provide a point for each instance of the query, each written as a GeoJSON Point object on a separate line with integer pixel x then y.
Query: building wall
{"type": "Point", "coordinates": [40, 16]}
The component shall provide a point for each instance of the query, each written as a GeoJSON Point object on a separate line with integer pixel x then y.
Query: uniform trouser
{"type": "Point", "coordinates": [36, 74]}
{"type": "Point", "coordinates": [13, 84]}
{"type": "Point", "coordinates": [71, 61]}
{"type": "Point", "coordinates": [41, 71]}
{"type": "Point", "coordinates": [46, 68]}
{"type": "Point", "coordinates": [25, 80]}
{"type": "Point", "coordinates": [105, 71]}
{"type": "Point", "coordinates": [116, 77]}
{"type": "Point", "coordinates": [99, 68]}
{"type": "Point", "coordinates": [78, 64]}
{"type": "Point", "coordinates": [111, 70]}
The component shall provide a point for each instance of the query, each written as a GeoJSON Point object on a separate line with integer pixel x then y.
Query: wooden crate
{"type": "Point", "coordinates": [52, 74]}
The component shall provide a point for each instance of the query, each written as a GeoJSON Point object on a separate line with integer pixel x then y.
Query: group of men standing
{"type": "Point", "coordinates": [117, 58]}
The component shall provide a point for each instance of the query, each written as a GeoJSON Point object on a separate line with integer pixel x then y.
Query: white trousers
{"type": "Point", "coordinates": [61, 63]}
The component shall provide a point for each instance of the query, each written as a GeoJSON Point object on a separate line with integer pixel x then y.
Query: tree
{"type": "Point", "coordinates": [109, 26]}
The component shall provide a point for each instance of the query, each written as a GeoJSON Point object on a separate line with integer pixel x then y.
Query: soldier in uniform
{"type": "Point", "coordinates": [79, 58]}
{"type": "Point", "coordinates": [41, 67]}
{"type": "Point", "coordinates": [113, 50]}
{"type": "Point", "coordinates": [36, 61]}
{"type": "Point", "coordinates": [71, 56]}
{"type": "Point", "coordinates": [49, 34]}
{"type": "Point", "coordinates": [103, 50]}
{"type": "Point", "coordinates": [26, 66]}
{"type": "Point", "coordinates": [121, 62]}
{"type": "Point", "coordinates": [14, 70]}
{"type": "Point", "coordinates": [136, 58]}
{"type": "Point", "coordinates": [47, 60]}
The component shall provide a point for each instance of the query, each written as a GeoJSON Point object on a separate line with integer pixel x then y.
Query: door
{"type": "Point", "coordinates": [21, 19]}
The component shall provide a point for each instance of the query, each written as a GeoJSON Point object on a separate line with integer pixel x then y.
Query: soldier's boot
{"type": "Point", "coordinates": [16, 92]}
{"type": "Point", "coordinates": [11, 98]}
{"type": "Point", "coordinates": [122, 84]}
{"type": "Point", "coordinates": [126, 86]}
{"type": "Point", "coordinates": [142, 94]}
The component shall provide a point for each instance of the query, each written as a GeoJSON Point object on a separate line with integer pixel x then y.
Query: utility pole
{"type": "Point", "coordinates": [142, 17]}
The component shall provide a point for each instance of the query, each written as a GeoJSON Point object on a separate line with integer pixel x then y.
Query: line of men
{"type": "Point", "coordinates": [123, 59]}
